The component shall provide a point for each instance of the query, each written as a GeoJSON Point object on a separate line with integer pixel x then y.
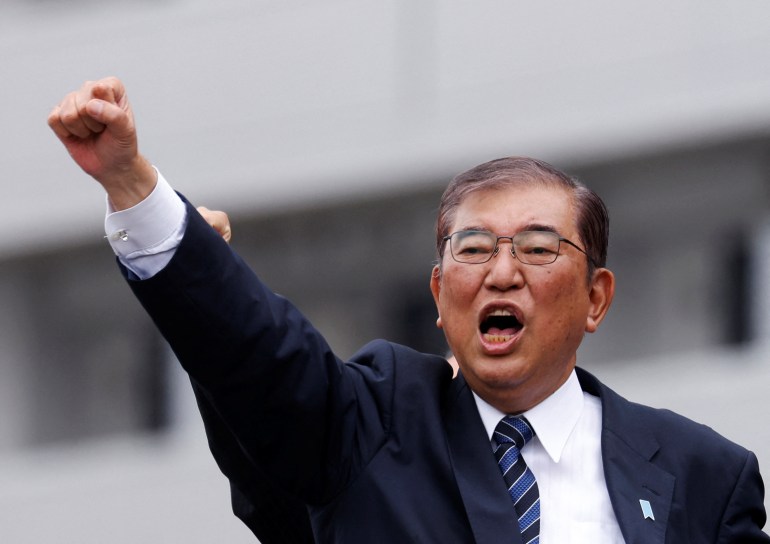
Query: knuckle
{"type": "Point", "coordinates": [69, 114]}
{"type": "Point", "coordinates": [69, 117]}
{"type": "Point", "coordinates": [53, 116]}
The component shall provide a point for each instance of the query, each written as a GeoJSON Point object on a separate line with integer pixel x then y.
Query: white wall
{"type": "Point", "coordinates": [250, 105]}
{"type": "Point", "coordinates": [118, 490]}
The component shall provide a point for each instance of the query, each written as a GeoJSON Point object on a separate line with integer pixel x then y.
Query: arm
{"type": "Point", "coordinates": [305, 418]}
{"type": "Point", "coordinates": [264, 370]}
{"type": "Point", "coordinates": [271, 514]}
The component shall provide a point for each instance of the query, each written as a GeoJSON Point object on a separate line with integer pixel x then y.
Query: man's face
{"type": "Point", "coordinates": [515, 328]}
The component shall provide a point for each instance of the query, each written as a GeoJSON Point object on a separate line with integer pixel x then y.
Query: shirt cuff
{"type": "Point", "coordinates": [145, 236]}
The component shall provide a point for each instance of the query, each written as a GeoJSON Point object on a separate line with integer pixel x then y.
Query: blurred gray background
{"type": "Point", "coordinates": [328, 131]}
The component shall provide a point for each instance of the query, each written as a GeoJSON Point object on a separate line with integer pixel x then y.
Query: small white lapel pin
{"type": "Point", "coordinates": [647, 509]}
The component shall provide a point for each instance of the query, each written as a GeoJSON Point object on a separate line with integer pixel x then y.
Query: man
{"type": "Point", "coordinates": [388, 447]}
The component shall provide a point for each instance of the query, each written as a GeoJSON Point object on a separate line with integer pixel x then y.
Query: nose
{"type": "Point", "coordinates": [504, 268]}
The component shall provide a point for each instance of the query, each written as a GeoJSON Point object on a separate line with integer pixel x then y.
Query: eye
{"type": "Point", "coordinates": [537, 244]}
{"type": "Point", "coordinates": [473, 243]}
{"type": "Point", "coordinates": [473, 246]}
{"type": "Point", "coordinates": [473, 250]}
{"type": "Point", "coordinates": [537, 250]}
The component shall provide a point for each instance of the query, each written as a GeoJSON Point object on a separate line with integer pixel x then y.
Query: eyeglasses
{"type": "Point", "coordinates": [529, 247]}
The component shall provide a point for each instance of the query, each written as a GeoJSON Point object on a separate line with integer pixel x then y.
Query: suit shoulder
{"type": "Point", "coordinates": [388, 356]}
{"type": "Point", "coordinates": [670, 427]}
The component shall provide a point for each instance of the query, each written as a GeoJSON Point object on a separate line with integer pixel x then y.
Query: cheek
{"type": "Point", "coordinates": [457, 287]}
{"type": "Point", "coordinates": [561, 286]}
{"type": "Point", "coordinates": [567, 300]}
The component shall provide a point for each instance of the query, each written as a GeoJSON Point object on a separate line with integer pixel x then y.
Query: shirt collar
{"type": "Point", "coordinates": [553, 419]}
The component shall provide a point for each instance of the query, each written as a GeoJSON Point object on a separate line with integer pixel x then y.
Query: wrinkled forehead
{"type": "Point", "coordinates": [509, 208]}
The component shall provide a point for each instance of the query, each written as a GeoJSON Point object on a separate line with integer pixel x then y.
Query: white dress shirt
{"type": "Point", "coordinates": [146, 236]}
{"type": "Point", "coordinates": [566, 458]}
{"type": "Point", "coordinates": [565, 455]}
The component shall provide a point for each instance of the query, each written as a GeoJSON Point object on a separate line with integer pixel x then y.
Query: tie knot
{"type": "Point", "coordinates": [514, 429]}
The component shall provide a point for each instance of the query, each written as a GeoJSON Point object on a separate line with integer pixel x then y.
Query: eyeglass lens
{"type": "Point", "coordinates": [530, 247]}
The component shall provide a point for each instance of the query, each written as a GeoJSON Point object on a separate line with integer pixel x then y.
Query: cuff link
{"type": "Point", "coordinates": [121, 235]}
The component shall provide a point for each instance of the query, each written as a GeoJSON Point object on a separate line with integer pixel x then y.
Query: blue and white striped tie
{"type": "Point", "coordinates": [511, 434]}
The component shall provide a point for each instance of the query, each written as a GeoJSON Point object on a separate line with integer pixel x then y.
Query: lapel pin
{"type": "Point", "coordinates": [647, 509]}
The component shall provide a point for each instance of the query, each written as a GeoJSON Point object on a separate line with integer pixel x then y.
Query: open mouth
{"type": "Point", "coordinates": [500, 326]}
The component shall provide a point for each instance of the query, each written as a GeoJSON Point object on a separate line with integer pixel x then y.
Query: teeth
{"type": "Point", "coordinates": [500, 312]}
{"type": "Point", "coordinates": [497, 338]}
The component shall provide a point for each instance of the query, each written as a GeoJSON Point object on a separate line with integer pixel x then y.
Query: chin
{"type": "Point", "coordinates": [502, 372]}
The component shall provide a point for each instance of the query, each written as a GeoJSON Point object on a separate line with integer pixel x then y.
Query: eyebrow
{"type": "Point", "coordinates": [541, 228]}
{"type": "Point", "coordinates": [538, 227]}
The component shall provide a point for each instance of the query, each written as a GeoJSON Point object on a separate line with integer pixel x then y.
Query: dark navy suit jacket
{"type": "Point", "coordinates": [388, 447]}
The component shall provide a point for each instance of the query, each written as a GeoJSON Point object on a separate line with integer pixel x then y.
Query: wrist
{"type": "Point", "coordinates": [131, 185]}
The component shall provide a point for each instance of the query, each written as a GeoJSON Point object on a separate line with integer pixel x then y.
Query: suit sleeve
{"type": "Point", "coordinates": [745, 513]}
{"type": "Point", "coordinates": [273, 516]}
{"type": "Point", "coordinates": [307, 420]}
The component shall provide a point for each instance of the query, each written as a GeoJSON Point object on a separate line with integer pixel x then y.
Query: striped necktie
{"type": "Point", "coordinates": [511, 434]}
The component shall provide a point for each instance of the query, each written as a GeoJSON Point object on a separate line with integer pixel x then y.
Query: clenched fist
{"type": "Point", "coordinates": [96, 125]}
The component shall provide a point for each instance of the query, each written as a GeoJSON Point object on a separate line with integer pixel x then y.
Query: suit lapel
{"type": "Point", "coordinates": [631, 478]}
{"type": "Point", "coordinates": [487, 503]}
{"type": "Point", "coordinates": [628, 447]}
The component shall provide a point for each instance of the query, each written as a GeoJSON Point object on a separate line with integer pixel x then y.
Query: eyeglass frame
{"type": "Point", "coordinates": [496, 249]}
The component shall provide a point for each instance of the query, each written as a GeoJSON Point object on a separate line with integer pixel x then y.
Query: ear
{"type": "Point", "coordinates": [435, 288]}
{"type": "Point", "coordinates": [600, 295]}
